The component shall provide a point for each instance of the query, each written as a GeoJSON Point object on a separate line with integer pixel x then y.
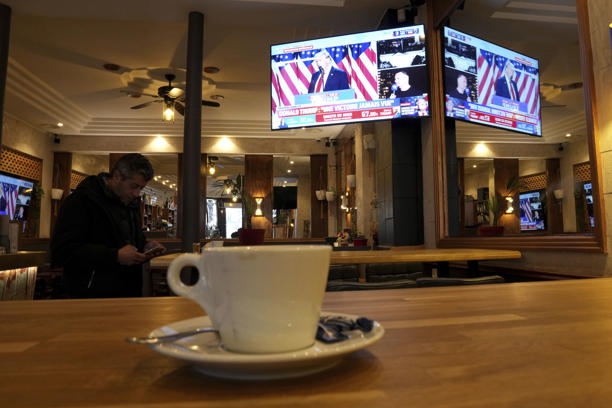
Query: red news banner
{"type": "Point", "coordinates": [347, 111]}
{"type": "Point", "coordinates": [498, 120]}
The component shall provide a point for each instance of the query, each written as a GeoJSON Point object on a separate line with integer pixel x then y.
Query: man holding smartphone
{"type": "Point", "coordinates": [98, 236]}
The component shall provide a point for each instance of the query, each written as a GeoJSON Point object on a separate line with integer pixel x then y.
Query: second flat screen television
{"type": "Point", "coordinates": [351, 78]}
{"type": "Point", "coordinates": [491, 85]}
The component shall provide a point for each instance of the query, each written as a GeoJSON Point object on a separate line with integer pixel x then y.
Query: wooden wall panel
{"type": "Point", "coordinates": [554, 215]}
{"type": "Point", "coordinates": [62, 171]}
{"type": "Point", "coordinates": [506, 169]}
{"type": "Point", "coordinates": [318, 209]}
{"type": "Point", "coordinates": [258, 182]}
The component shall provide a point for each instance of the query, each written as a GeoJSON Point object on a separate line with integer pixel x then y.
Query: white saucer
{"type": "Point", "coordinates": [207, 355]}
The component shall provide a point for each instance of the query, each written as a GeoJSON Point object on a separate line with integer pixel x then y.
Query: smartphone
{"type": "Point", "coordinates": [153, 251]}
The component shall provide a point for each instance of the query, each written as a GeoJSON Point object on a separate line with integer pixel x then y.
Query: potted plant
{"type": "Point", "coordinates": [247, 235]}
{"type": "Point", "coordinates": [495, 202]}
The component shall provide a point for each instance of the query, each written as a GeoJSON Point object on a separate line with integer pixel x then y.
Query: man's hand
{"type": "Point", "coordinates": [129, 255]}
{"type": "Point", "coordinates": [153, 249]}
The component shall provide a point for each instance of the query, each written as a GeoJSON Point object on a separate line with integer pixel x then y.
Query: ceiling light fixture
{"type": "Point", "coordinates": [60, 124]}
{"type": "Point", "coordinates": [291, 162]}
{"type": "Point", "coordinates": [168, 112]}
{"type": "Point", "coordinates": [474, 166]}
{"type": "Point", "coordinates": [568, 135]}
{"type": "Point", "coordinates": [288, 170]}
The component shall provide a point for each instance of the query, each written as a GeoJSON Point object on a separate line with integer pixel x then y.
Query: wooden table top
{"type": "Point", "coordinates": [508, 345]}
{"type": "Point", "coordinates": [396, 256]}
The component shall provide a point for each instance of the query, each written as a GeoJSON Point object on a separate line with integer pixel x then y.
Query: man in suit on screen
{"type": "Point", "coordinates": [328, 77]}
{"type": "Point", "coordinates": [505, 86]}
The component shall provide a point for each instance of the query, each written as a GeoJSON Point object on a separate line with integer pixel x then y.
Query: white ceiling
{"type": "Point", "coordinates": [58, 49]}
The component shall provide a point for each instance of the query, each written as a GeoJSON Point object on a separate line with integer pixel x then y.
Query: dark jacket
{"type": "Point", "coordinates": [93, 224]}
{"type": "Point", "coordinates": [337, 80]}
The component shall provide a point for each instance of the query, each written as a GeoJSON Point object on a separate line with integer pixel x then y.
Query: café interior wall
{"type": "Point", "coordinates": [303, 205]}
{"type": "Point", "coordinates": [478, 179]}
{"type": "Point", "coordinates": [21, 136]}
{"type": "Point", "coordinates": [531, 166]}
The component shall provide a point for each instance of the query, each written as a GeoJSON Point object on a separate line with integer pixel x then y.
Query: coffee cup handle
{"type": "Point", "coordinates": [173, 277]}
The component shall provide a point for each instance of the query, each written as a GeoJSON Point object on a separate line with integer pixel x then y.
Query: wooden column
{"type": "Point", "coordinates": [505, 170]}
{"type": "Point", "coordinates": [461, 182]}
{"type": "Point", "coordinates": [112, 159]}
{"type": "Point", "coordinates": [62, 168]}
{"type": "Point", "coordinates": [5, 31]}
{"type": "Point", "coordinates": [318, 209]}
{"type": "Point", "coordinates": [258, 182]}
{"type": "Point", "coordinates": [554, 215]}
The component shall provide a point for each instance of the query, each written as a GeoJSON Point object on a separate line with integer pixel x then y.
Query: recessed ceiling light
{"type": "Point", "coordinates": [568, 135]}
{"type": "Point", "coordinates": [285, 181]}
{"type": "Point", "coordinates": [291, 162]}
{"type": "Point", "coordinates": [289, 171]}
{"type": "Point", "coordinates": [60, 124]}
{"type": "Point", "coordinates": [211, 70]}
{"type": "Point", "coordinates": [474, 166]}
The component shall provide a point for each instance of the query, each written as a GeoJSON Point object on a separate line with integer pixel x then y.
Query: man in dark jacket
{"type": "Point", "coordinates": [98, 236]}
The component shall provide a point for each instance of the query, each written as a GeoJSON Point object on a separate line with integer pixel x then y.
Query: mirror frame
{"type": "Point", "coordinates": [436, 16]}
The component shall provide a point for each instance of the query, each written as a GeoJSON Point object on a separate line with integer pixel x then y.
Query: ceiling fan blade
{"type": "Point", "coordinates": [143, 105]}
{"type": "Point", "coordinates": [211, 103]}
{"type": "Point", "coordinates": [136, 94]}
{"type": "Point", "coordinates": [180, 108]}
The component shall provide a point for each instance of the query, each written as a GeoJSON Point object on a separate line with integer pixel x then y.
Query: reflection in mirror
{"type": "Point", "coordinates": [159, 197]}
{"type": "Point", "coordinates": [291, 208]}
{"type": "Point", "coordinates": [545, 180]}
{"type": "Point", "coordinates": [224, 196]}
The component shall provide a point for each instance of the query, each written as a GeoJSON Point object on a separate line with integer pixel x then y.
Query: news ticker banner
{"type": "Point", "coordinates": [498, 117]}
{"type": "Point", "coordinates": [329, 108]}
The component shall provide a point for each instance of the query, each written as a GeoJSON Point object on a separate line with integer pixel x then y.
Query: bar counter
{"type": "Point", "coordinates": [512, 345]}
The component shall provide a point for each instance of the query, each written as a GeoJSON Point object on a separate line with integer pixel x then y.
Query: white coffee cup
{"type": "Point", "coordinates": [262, 299]}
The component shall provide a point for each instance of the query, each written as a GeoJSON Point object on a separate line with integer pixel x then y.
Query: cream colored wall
{"type": "Point", "coordinates": [89, 163]}
{"type": "Point", "coordinates": [475, 180]}
{"type": "Point", "coordinates": [534, 166]}
{"type": "Point", "coordinates": [23, 137]}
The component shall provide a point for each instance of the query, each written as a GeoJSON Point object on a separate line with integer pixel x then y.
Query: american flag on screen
{"type": "Point", "coordinates": [526, 207]}
{"type": "Point", "coordinates": [363, 65]}
{"type": "Point", "coordinates": [526, 78]}
{"type": "Point", "coordinates": [490, 67]}
{"type": "Point", "coordinates": [291, 72]}
{"type": "Point", "coordinates": [10, 194]}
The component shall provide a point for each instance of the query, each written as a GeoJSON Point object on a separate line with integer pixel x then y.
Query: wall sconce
{"type": "Point", "coordinates": [258, 211]}
{"type": "Point", "coordinates": [211, 169]}
{"type": "Point", "coordinates": [57, 193]}
{"type": "Point", "coordinates": [558, 193]}
{"type": "Point", "coordinates": [168, 111]}
{"type": "Point", "coordinates": [509, 208]}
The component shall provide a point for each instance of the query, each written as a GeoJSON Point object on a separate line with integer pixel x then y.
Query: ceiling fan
{"type": "Point", "coordinates": [171, 96]}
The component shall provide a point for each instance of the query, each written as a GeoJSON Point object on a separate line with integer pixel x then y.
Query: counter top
{"type": "Point", "coordinates": [22, 259]}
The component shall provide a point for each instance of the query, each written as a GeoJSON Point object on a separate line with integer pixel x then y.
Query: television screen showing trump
{"type": "Point", "coordinates": [491, 85]}
{"type": "Point", "coordinates": [368, 76]}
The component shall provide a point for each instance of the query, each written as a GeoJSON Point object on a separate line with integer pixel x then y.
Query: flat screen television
{"type": "Point", "coordinates": [490, 85]}
{"type": "Point", "coordinates": [15, 195]}
{"type": "Point", "coordinates": [588, 192]}
{"type": "Point", "coordinates": [532, 211]}
{"type": "Point", "coordinates": [360, 77]}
